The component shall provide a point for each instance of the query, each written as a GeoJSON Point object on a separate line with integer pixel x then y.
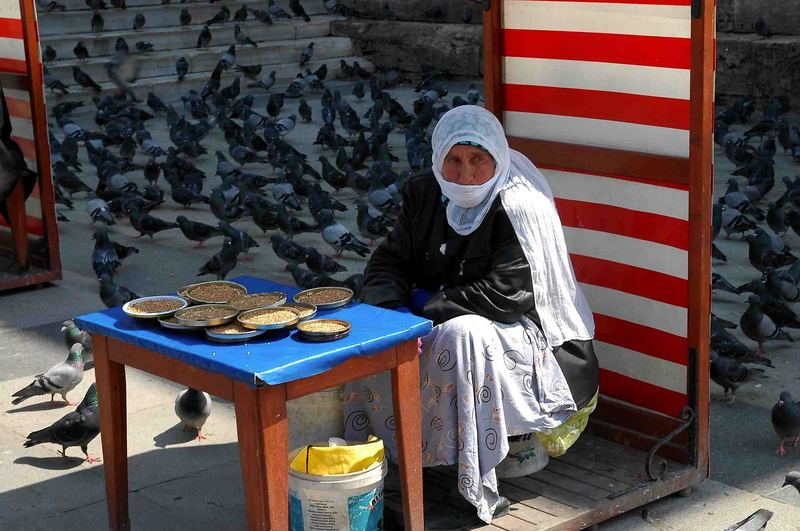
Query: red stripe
{"type": "Point", "coordinates": [641, 393]}
{"type": "Point", "coordinates": [631, 279]}
{"type": "Point", "coordinates": [643, 2]}
{"type": "Point", "coordinates": [625, 222]}
{"type": "Point", "coordinates": [666, 52]}
{"type": "Point", "coordinates": [34, 225]}
{"type": "Point", "coordinates": [11, 28]}
{"type": "Point", "coordinates": [27, 146]}
{"type": "Point", "coordinates": [639, 338]}
{"type": "Point", "coordinates": [14, 66]}
{"type": "Point", "coordinates": [19, 108]}
{"type": "Point", "coordinates": [674, 186]}
{"type": "Point", "coordinates": [598, 104]}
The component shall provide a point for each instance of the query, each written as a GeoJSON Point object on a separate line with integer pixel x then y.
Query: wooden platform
{"type": "Point", "coordinates": [592, 482]}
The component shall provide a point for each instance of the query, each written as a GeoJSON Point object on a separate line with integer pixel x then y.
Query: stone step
{"type": "Point", "coordinates": [156, 16]}
{"type": "Point", "coordinates": [169, 89]}
{"type": "Point", "coordinates": [80, 5]}
{"type": "Point", "coordinates": [180, 38]}
{"type": "Point", "coordinates": [162, 63]}
{"type": "Point", "coordinates": [782, 16]}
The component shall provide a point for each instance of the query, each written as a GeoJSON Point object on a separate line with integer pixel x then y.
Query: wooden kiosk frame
{"type": "Point", "coordinates": [680, 434]}
{"type": "Point", "coordinates": [32, 262]}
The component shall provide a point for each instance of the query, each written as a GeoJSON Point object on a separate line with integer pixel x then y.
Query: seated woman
{"type": "Point", "coordinates": [478, 249]}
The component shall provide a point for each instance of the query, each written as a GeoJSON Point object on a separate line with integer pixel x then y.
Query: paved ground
{"type": "Point", "coordinates": [179, 483]}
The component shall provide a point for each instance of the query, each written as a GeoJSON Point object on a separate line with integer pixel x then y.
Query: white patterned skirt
{"type": "Point", "coordinates": [480, 382]}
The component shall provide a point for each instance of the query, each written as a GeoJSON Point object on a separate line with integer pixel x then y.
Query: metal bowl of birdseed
{"type": "Point", "coordinates": [154, 307]}
{"type": "Point", "coordinates": [172, 323]}
{"type": "Point", "coordinates": [259, 300]}
{"type": "Point", "coordinates": [325, 298]}
{"type": "Point", "coordinates": [269, 318]}
{"type": "Point", "coordinates": [204, 315]}
{"type": "Point", "coordinates": [232, 332]}
{"type": "Point", "coordinates": [323, 329]}
{"type": "Point", "coordinates": [215, 292]}
{"type": "Point", "coordinates": [307, 310]}
{"type": "Point", "coordinates": [182, 292]}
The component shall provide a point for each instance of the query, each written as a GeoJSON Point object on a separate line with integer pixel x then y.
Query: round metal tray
{"type": "Point", "coordinates": [280, 298]}
{"type": "Point", "coordinates": [232, 338]}
{"type": "Point", "coordinates": [318, 336]}
{"type": "Point", "coordinates": [137, 315]}
{"type": "Point", "coordinates": [211, 322]}
{"type": "Point", "coordinates": [299, 297]}
{"type": "Point", "coordinates": [173, 326]}
{"type": "Point", "coordinates": [196, 300]}
{"type": "Point", "coordinates": [242, 318]}
{"type": "Point", "coordinates": [182, 292]}
{"type": "Point", "coordinates": [302, 306]}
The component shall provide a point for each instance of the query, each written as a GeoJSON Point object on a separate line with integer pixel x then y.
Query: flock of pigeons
{"type": "Point", "coordinates": [741, 211]}
{"type": "Point", "coordinates": [263, 178]}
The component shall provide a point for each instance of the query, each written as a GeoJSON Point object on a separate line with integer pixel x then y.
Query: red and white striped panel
{"type": "Point", "coordinates": [604, 73]}
{"type": "Point", "coordinates": [12, 49]}
{"type": "Point", "coordinates": [629, 240]}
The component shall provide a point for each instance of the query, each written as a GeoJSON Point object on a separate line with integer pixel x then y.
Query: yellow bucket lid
{"type": "Point", "coordinates": [332, 460]}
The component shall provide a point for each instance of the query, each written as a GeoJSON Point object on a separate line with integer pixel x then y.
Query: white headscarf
{"type": "Point", "coordinates": [529, 204]}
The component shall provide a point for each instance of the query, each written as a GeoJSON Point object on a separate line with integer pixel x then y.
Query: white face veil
{"type": "Point", "coordinates": [529, 204]}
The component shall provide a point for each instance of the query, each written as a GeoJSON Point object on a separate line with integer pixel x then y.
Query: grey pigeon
{"type": "Point", "coordinates": [718, 282]}
{"type": "Point", "coordinates": [241, 38]}
{"type": "Point", "coordinates": [298, 10]}
{"type": "Point", "coordinates": [786, 421]}
{"type": "Point", "coordinates": [730, 375]}
{"type": "Point", "coordinates": [290, 225]}
{"type": "Point", "coordinates": [792, 478]}
{"type": "Point", "coordinates": [138, 21]}
{"type": "Point", "coordinates": [185, 17]}
{"type": "Point", "coordinates": [306, 54]}
{"type": "Point", "coordinates": [196, 231]}
{"type": "Point", "coordinates": [266, 82]}
{"type": "Point", "coordinates": [756, 325]}
{"type": "Point", "coordinates": [104, 256]}
{"type": "Point", "coordinates": [73, 334]}
{"type": "Point", "coordinates": [146, 224]}
{"type": "Point", "coordinates": [776, 219]}
{"type": "Point", "coordinates": [182, 68]}
{"type": "Point", "coordinates": [240, 240]}
{"type": "Point", "coordinates": [97, 23]}
{"type": "Point", "coordinates": [374, 225]}
{"type": "Point", "coordinates": [112, 294]}
{"type": "Point", "coordinates": [204, 39]}
{"type": "Point", "coordinates": [193, 407]}
{"type": "Point", "coordinates": [287, 250]}
{"type": "Point", "coordinates": [58, 379]}
{"type": "Point", "coordinates": [755, 522]}
{"type": "Point", "coordinates": [306, 279]}
{"type": "Point", "coordinates": [77, 428]}
{"type": "Point", "coordinates": [338, 237]}
{"type": "Point", "coordinates": [80, 51]}
{"type": "Point", "coordinates": [99, 210]}
{"type": "Point", "coordinates": [221, 263]}
{"type": "Point", "coordinates": [276, 11]}
{"type": "Point", "coordinates": [321, 264]}
{"type": "Point", "coordinates": [83, 79]}
{"type": "Point", "coordinates": [121, 46]}
{"type": "Point", "coordinates": [241, 14]}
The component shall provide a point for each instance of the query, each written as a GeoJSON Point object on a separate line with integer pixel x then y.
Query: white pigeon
{"type": "Point", "coordinates": [58, 379]}
{"type": "Point", "coordinates": [193, 407]}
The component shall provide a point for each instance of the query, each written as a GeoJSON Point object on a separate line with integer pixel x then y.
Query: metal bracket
{"type": "Point", "coordinates": [687, 414]}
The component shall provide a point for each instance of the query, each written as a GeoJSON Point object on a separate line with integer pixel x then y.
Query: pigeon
{"type": "Point", "coordinates": [473, 95]}
{"type": "Point", "coordinates": [776, 219]}
{"type": "Point", "coordinates": [104, 256]}
{"type": "Point", "coordinates": [276, 11]}
{"type": "Point", "coordinates": [262, 16]}
{"type": "Point", "coordinates": [58, 379]}
{"type": "Point", "coordinates": [266, 82]}
{"type": "Point", "coordinates": [781, 285]}
{"type": "Point", "coordinates": [185, 196]}
{"type": "Point", "coordinates": [321, 264]}
{"type": "Point", "coordinates": [97, 23]}
{"type": "Point", "coordinates": [305, 55]}
{"type": "Point", "coordinates": [250, 71]}
{"type": "Point", "coordinates": [204, 39]}
{"type": "Point", "coordinates": [196, 231]}
{"type": "Point", "coordinates": [298, 10]}
{"type": "Point", "coordinates": [718, 282]}
{"type": "Point", "coordinates": [52, 6]}
{"type": "Point", "coordinates": [182, 68]}
{"type": "Point", "coordinates": [13, 167]}
{"type": "Point", "coordinates": [264, 216]}
{"type": "Point", "coordinates": [241, 38]}
{"type": "Point", "coordinates": [374, 225]}
{"type": "Point", "coordinates": [121, 46]}
{"type": "Point", "coordinates": [49, 54]}
{"type": "Point", "coordinates": [338, 237]}
{"type": "Point", "coordinates": [730, 375]}
{"type": "Point", "coordinates": [290, 225]}
{"type": "Point", "coordinates": [761, 28]}
{"type": "Point", "coordinates": [306, 279]}
{"type": "Point", "coordinates": [138, 21]}
{"type": "Point", "coordinates": [119, 4]}
{"type": "Point", "coordinates": [73, 334]}
{"type": "Point", "coordinates": [83, 79]}
{"type": "Point", "coordinates": [786, 421]}
{"type": "Point", "coordinates": [758, 326]}
{"type": "Point", "coordinates": [77, 428]}
{"type": "Point", "coordinates": [222, 16]}
{"type": "Point", "coordinates": [124, 251]}
{"type": "Point", "coordinates": [185, 17]}
{"type": "Point", "coordinates": [241, 14]}
{"type": "Point", "coordinates": [755, 522]}
{"type": "Point", "coordinates": [193, 407]}
{"type": "Point", "coordinates": [146, 224]}
{"type": "Point", "coordinates": [112, 294]}
{"type": "Point", "coordinates": [221, 263]}
{"type": "Point", "coordinates": [241, 241]}
{"type": "Point", "coordinates": [53, 83]}
{"type": "Point", "coordinates": [144, 46]}
{"type": "Point", "coordinates": [792, 478]}
{"type": "Point", "coordinates": [287, 250]}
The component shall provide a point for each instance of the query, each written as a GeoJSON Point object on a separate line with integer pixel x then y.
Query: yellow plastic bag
{"type": "Point", "coordinates": [558, 440]}
{"type": "Point", "coordinates": [331, 460]}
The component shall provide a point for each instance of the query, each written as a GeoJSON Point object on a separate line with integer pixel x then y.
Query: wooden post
{"type": "Point", "coordinates": [18, 222]}
{"type": "Point", "coordinates": [405, 384]}
{"type": "Point", "coordinates": [110, 379]}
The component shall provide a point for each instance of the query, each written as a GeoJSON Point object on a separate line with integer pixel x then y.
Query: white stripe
{"type": "Point", "coordinates": [635, 309]}
{"type": "Point", "coordinates": [601, 133]}
{"type": "Point", "coordinates": [641, 367]}
{"type": "Point", "coordinates": [9, 10]}
{"type": "Point", "coordinates": [626, 250]}
{"type": "Point", "coordinates": [12, 49]}
{"type": "Point", "coordinates": [17, 94]}
{"type": "Point", "coordinates": [608, 77]}
{"type": "Point", "coordinates": [31, 164]}
{"type": "Point", "coordinates": [619, 193]}
{"type": "Point", "coordinates": [624, 19]}
{"type": "Point", "coordinates": [21, 127]}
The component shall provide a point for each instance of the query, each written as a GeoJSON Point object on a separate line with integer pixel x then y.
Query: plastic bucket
{"type": "Point", "coordinates": [526, 455]}
{"type": "Point", "coordinates": [337, 502]}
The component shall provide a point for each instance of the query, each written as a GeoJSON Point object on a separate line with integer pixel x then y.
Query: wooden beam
{"type": "Point", "coordinates": [352, 369]}
{"type": "Point", "coordinates": [493, 59]}
{"type": "Point", "coordinates": [17, 220]}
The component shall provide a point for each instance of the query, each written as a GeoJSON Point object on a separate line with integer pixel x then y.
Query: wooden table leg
{"type": "Point", "coordinates": [110, 379]}
{"type": "Point", "coordinates": [263, 430]}
{"type": "Point", "coordinates": [405, 383]}
{"type": "Point", "coordinates": [18, 221]}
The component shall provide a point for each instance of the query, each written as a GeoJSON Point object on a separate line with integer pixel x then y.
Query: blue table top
{"type": "Point", "coordinates": [274, 357]}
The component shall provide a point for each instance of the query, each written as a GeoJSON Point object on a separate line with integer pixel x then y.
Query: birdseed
{"type": "Point", "coordinates": [155, 306]}
{"type": "Point", "coordinates": [271, 316]}
{"type": "Point", "coordinates": [330, 327]}
{"type": "Point", "coordinates": [303, 310]}
{"type": "Point", "coordinates": [205, 313]}
{"type": "Point", "coordinates": [215, 293]}
{"type": "Point", "coordinates": [230, 329]}
{"type": "Point", "coordinates": [324, 296]}
{"type": "Point", "coordinates": [257, 300]}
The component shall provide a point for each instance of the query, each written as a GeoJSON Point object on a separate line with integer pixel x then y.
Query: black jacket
{"type": "Point", "coordinates": [485, 273]}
